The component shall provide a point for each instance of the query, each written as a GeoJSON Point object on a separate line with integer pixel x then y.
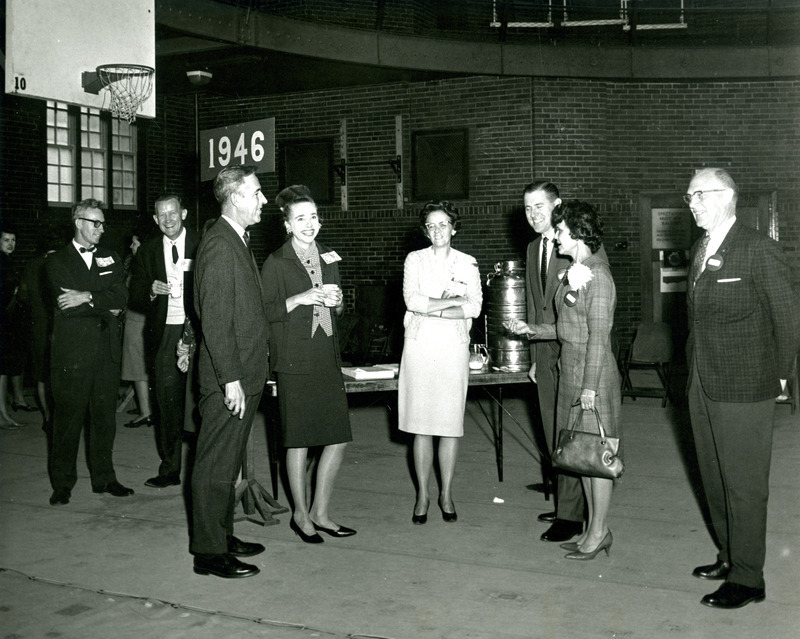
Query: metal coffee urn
{"type": "Point", "coordinates": [505, 300]}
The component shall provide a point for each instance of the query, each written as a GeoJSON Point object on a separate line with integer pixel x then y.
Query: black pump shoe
{"type": "Point", "coordinates": [309, 539]}
{"type": "Point", "coordinates": [341, 531]}
{"type": "Point", "coordinates": [448, 517]}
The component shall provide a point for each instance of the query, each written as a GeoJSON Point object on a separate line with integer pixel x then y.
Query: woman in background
{"type": "Point", "coordinates": [442, 292]}
{"type": "Point", "coordinates": [133, 364]}
{"type": "Point", "coordinates": [585, 303]}
{"type": "Point", "coordinates": [303, 298]}
{"type": "Point", "coordinates": [14, 340]}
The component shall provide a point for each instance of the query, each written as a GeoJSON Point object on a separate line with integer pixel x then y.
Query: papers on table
{"type": "Point", "coordinates": [384, 371]}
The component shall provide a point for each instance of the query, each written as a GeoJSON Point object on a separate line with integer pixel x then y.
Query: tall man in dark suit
{"type": "Point", "coordinates": [162, 286]}
{"type": "Point", "coordinates": [543, 264]}
{"type": "Point", "coordinates": [232, 366]}
{"type": "Point", "coordinates": [744, 332]}
{"type": "Point", "coordinates": [89, 287]}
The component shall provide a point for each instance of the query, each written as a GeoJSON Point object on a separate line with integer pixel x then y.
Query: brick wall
{"type": "Point", "coordinates": [600, 140]}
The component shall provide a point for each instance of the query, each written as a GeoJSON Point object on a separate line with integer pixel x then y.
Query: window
{"type": "Point", "coordinates": [78, 167]}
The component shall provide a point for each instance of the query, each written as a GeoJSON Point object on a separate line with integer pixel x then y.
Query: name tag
{"type": "Point", "coordinates": [331, 257]}
{"type": "Point", "coordinates": [104, 261]}
{"type": "Point", "coordinates": [187, 265]}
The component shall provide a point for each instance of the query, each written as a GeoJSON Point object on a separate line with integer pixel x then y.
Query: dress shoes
{"type": "Point", "coordinates": [141, 421]}
{"type": "Point", "coordinates": [309, 539]}
{"type": "Point", "coordinates": [162, 481]}
{"type": "Point", "coordinates": [448, 516]}
{"type": "Point", "coordinates": [730, 595]}
{"type": "Point", "coordinates": [60, 497]}
{"type": "Point", "coordinates": [113, 488]}
{"type": "Point", "coordinates": [562, 530]}
{"type": "Point", "coordinates": [341, 531]}
{"type": "Point", "coordinates": [239, 548]}
{"type": "Point", "coordinates": [718, 570]}
{"type": "Point", "coordinates": [226, 566]}
{"type": "Point", "coordinates": [547, 517]}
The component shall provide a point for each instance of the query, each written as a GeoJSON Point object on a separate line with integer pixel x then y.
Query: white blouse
{"type": "Point", "coordinates": [426, 277]}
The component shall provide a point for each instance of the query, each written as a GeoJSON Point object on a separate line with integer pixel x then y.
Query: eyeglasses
{"type": "Point", "coordinates": [95, 223]}
{"type": "Point", "coordinates": [442, 226]}
{"type": "Point", "coordinates": [700, 195]}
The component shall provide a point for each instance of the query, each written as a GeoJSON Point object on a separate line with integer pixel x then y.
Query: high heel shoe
{"type": "Point", "coordinates": [23, 406]}
{"type": "Point", "coordinates": [341, 531]}
{"type": "Point", "coordinates": [448, 517]}
{"type": "Point", "coordinates": [586, 556]}
{"type": "Point", "coordinates": [147, 420]}
{"type": "Point", "coordinates": [309, 539]}
{"type": "Point", "coordinates": [418, 520]}
{"type": "Point", "coordinates": [571, 546]}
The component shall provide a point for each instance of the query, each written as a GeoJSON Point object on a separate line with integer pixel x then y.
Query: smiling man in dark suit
{"type": "Point", "coordinates": [88, 283]}
{"type": "Point", "coordinates": [162, 286]}
{"type": "Point", "coordinates": [744, 332]}
{"type": "Point", "coordinates": [232, 365]}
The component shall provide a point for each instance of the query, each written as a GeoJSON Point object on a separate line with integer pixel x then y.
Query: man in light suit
{"type": "Point", "coordinates": [162, 287]}
{"type": "Point", "coordinates": [744, 332]}
{"type": "Point", "coordinates": [232, 366]}
{"type": "Point", "coordinates": [88, 283]}
{"type": "Point", "coordinates": [540, 199]}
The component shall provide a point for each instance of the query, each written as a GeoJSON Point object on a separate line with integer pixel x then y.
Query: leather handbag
{"type": "Point", "coordinates": [590, 454]}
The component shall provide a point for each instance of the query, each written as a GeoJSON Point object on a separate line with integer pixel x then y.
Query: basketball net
{"type": "Point", "coordinates": [129, 85]}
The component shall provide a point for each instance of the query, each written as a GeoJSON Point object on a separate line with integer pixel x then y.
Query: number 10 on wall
{"type": "Point", "coordinates": [237, 144]}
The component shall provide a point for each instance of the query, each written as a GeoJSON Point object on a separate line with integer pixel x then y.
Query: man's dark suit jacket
{"type": "Point", "coordinates": [228, 301]}
{"type": "Point", "coordinates": [76, 328]}
{"type": "Point", "coordinates": [148, 266]}
{"type": "Point", "coordinates": [744, 321]}
{"type": "Point", "coordinates": [283, 275]}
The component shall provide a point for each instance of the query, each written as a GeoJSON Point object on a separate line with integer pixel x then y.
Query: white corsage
{"type": "Point", "coordinates": [461, 273]}
{"type": "Point", "coordinates": [579, 275]}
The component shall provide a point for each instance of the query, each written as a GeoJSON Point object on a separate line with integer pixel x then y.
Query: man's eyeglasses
{"type": "Point", "coordinates": [700, 195]}
{"type": "Point", "coordinates": [95, 223]}
{"type": "Point", "coordinates": [442, 226]}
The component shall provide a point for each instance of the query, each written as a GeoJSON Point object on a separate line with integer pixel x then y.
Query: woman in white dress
{"type": "Point", "coordinates": [442, 292]}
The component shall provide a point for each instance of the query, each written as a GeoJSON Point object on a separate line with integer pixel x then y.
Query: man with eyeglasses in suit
{"type": "Point", "coordinates": [88, 285]}
{"type": "Point", "coordinates": [744, 332]}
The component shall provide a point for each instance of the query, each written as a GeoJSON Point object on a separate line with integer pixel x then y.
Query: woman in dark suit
{"type": "Point", "coordinates": [303, 299]}
{"type": "Point", "coordinates": [585, 303]}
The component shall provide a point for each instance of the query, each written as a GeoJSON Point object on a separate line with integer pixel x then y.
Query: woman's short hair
{"type": "Point", "coordinates": [582, 221]}
{"type": "Point", "coordinates": [292, 195]}
{"type": "Point", "coordinates": [446, 207]}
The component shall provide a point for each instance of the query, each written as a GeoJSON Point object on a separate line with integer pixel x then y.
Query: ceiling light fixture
{"type": "Point", "coordinates": [199, 77]}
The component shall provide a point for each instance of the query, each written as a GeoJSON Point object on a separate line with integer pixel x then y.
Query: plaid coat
{"type": "Point", "coordinates": [744, 319]}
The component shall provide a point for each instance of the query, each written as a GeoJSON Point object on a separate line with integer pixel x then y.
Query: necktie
{"type": "Point", "coordinates": [247, 239]}
{"type": "Point", "coordinates": [91, 249]}
{"type": "Point", "coordinates": [699, 258]}
{"type": "Point", "coordinates": [174, 254]}
{"type": "Point", "coordinates": [543, 267]}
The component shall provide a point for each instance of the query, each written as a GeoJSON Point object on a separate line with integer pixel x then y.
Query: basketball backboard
{"type": "Point", "coordinates": [51, 43]}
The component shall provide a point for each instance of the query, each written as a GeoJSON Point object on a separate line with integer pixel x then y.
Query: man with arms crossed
{"type": "Point", "coordinates": [88, 283]}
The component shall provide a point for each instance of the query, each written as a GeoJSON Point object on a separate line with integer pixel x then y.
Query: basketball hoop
{"type": "Point", "coordinates": [128, 85]}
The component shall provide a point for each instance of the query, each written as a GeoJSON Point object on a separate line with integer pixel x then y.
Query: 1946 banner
{"type": "Point", "coordinates": [237, 144]}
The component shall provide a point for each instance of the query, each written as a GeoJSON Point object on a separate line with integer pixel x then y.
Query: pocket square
{"type": "Point", "coordinates": [729, 279]}
{"type": "Point", "coordinates": [106, 272]}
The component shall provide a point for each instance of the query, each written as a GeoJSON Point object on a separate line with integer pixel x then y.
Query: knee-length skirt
{"type": "Point", "coordinates": [313, 407]}
{"type": "Point", "coordinates": [432, 386]}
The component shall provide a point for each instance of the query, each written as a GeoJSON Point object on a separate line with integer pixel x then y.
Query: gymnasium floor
{"type": "Point", "coordinates": [104, 567]}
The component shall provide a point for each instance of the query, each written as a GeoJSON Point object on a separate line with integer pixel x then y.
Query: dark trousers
{"type": "Point", "coordinates": [734, 451]}
{"type": "Point", "coordinates": [77, 392]}
{"type": "Point", "coordinates": [569, 499]}
{"type": "Point", "coordinates": [221, 447]}
{"type": "Point", "coordinates": [170, 387]}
